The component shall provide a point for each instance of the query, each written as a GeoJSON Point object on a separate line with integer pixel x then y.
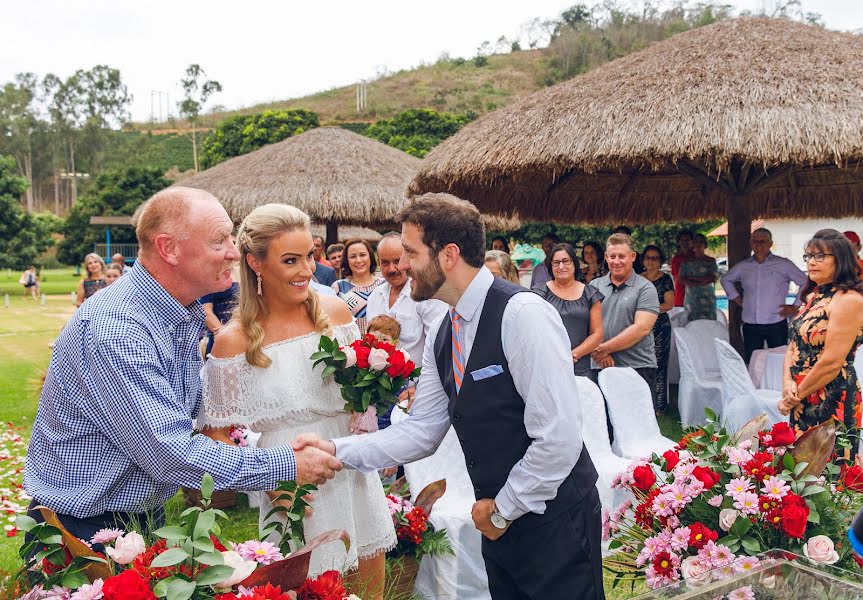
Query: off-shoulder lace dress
{"type": "Point", "coordinates": [286, 399]}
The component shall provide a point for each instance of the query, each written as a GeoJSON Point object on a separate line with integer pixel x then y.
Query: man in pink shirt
{"type": "Point", "coordinates": [684, 253]}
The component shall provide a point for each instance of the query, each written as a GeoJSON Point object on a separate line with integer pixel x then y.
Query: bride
{"type": "Point", "coordinates": [260, 376]}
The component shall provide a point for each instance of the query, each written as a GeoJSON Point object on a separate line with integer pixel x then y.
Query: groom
{"type": "Point", "coordinates": [498, 368]}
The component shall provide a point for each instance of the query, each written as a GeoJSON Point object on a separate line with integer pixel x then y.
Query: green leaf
{"type": "Point", "coordinates": [180, 589]}
{"type": "Point", "coordinates": [74, 579]}
{"type": "Point", "coordinates": [171, 532]}
{"type": "Point", "coordinates": [319, 355]}
{"type": "Point", "coordinates": [25, 523]}
{"type": "Point", "coordinates": [190, 510]}
{"type": "Point", "coordinates": [329, 370]}
{"type": "Point", "coordinates": [160, 590]}
{"type": "Point", "coordinates": [170, 557]}
{"type": "Point", "coordinates": [711, 416]}
{"type": "Point", "coordinates": [205, 522]}
{"type": "Point", "coordinates": [211, 558]}
{"type": "Point", "coordinates": [788, 461]}
{"type": "Point", "coordinates": [49, 535]}
{"type": "Point", "coordinates": [812, 490]}
{"type": "Point", "coordinates": [339, 355]}
{"type": "Point", "coordinates": [327, 344]}
{"type": "Point", "coordinates": [207, 486]}
{"type": "Point", "coordinates": [814, 517]}
{"type": "Point", "coordinates": [204, 544]}
{"type": "Point", "coordinates": [213, 575]}
{"type": "Point", "coordinates": [799, 468]}
{"type": "Point", "coordinates": [751, 545]}
{"type": "Point", "coordinates": [741, 526]}
{"type": "Point", "coordinates": [385, 383]}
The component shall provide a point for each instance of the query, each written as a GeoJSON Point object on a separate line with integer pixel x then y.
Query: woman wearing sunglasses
{"type": "Point", "coordinates": [819, 380]}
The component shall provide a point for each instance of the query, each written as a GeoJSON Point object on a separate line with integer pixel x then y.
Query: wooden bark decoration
{"type": "Point", "coordinates": [749, 431]}
{"type": "Point", "coordinates": [291, 572]}
{"type": "Point", "coordinates": [430, 494]}
{"type": "Point", "coordinates": [815, 447]}
{"type": "Point", "coordinates": [94, 570]}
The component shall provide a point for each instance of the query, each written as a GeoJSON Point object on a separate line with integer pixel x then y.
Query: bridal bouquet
{"type": "Point", "coordinates": [706, 508]}
{"type": "Point", "coordinates": [370, 372]}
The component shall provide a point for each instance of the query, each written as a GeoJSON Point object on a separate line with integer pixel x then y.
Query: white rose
{"type": "Point", "coordinates": [819, 549]}
{"type": "Point", "coordinates": [378, 359]}
{"type": "Point", "coordinates": [727, 516]}
{"type": "Point", "coordinates": [694, 571]}
{"type": "Point", "coordinates": [126, 548]}
{"type": "Point", "coordinates": [352, 356]}
{"type": "Point", "coordinates": [242, 569]}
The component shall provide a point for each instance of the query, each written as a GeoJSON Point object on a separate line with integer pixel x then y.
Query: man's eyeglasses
{"type": "Point", "coordinates": [818, 256]}
{"type": "Point", "coordinates": [565, 262]}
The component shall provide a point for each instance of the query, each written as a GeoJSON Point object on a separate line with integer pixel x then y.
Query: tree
{"type": "Point", "coordinates": [22, 236]}
{"type": "Point", "coordinates": [18, 122]}
{"type": "Point", "coordinates": [245, 133]}
{"type": "Point", "coordinates": [197, 89]}
{"type": "Point", "coordinates": [116, 193]}
{"type": "Point", "coordinates": [417, 131]}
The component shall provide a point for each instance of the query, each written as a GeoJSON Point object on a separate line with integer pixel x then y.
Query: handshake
{"type": "Point", "coordinates": [316, 459]}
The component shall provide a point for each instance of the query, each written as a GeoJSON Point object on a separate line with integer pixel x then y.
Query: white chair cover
{"type": "Point", "coordinates": [721, 318]}
{"type": "Point", "coordinates": [697, 390]}
{"type": "Point", "coordinates": [703, 332]}
{"type": "Point", "coordinates": [741, 402]}
{"type": "Point", "coordinates": [679, 316]}
{"type": "Point", "coordinates": [450, 576]}
{"type": "Point", "coordinates": [630, 406]}
{"type": "Point", "coordinates": [595, 434]}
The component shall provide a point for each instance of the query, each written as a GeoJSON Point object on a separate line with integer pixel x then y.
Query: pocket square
{"type": "Point", "coordinates": [486, 372]}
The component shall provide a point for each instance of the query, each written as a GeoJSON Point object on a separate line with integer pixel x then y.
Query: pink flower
{"type": "Point", "coordinates": [738, 486]}
{"type": "Point", "coordinates": [727, 516]}
{"type": "Point", "coordinates": [819, 549]}
{"type": "Point", "coordinates": [260, 552]}
{"type": "Point", "coordinates": [684, 469]}
{"type": "Point", "coordinates": [378, 359]}
{"type": "Point", "coordinates": [606, 525]}
{"type": "Point", "coordinates": [716, 501]}
{"type": "Point", "coordinates": [672, 522]}
{"type": "Point", "coordinates": [737, 456]}
{"type": "Point", "coordinates": [747, 503]}
{"type": "Point", "coordinates": [663, 505]}
{"type": "Point", "coordinates": [744, 593]}
{"type": "Point", "coordinates": [105, 536]}
{"type": "Point", "coordinates": [775, 487]}
{"type": "Point", "coordinates": [680, 539]}
{"type": "Point", "coordinates": [88, 591]}
{"type": "Point", "coordinates": [694, 570]}
{"type": "Point", "coordinates": [746, 563]}
{"type": "Point", "coordinates": [57, 593]}
{"type": "Point", "coordinates": [351, 354]}
{"type": "Point", "coordinates": [126, 548]}
{"type": "Point", "coordinates": [679, 496]}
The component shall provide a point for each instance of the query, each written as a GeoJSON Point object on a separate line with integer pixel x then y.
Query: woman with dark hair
{"type": "Point", "coordinates": [579, 305]}
{"type": "Point", "coordinates": [699, 274]}
{"type": "Point", "coordinates": [358, 279]}
{"type": "Point", "coordinates": [820, 381]}
{"type": "Point", "coordinates": [654, 258]}
{"type": "Point", "coordinates": [593, 263]}
{"type": "Point", "coordinates": [500, 243]}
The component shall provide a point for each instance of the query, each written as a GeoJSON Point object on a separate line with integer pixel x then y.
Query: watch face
{"type": "Point", "coordinates": [498, 521]}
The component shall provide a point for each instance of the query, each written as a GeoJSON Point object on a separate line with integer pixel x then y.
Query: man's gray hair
{"type": "Point", "coordinates": [765, 231]}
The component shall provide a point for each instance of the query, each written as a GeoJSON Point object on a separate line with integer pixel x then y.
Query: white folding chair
{"type": "Point", "coordinates": [630, 406]}
{"type": "Point", "coordinates": [721, 318]}
{"type": "Point", "coordinates": [698, 389]}
{"type": "Point", "coordinates": [594, 432]}
{"type": "Point", "coordinates": [679, 318]}
{"type": "Point", "coordinates": [704, 331]}
{"type": "Point", "coordinates": [741, 402]}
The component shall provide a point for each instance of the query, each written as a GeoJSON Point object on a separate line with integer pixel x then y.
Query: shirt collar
{"type": "Point", "coordinates": [166, 306]}
{"type": "Point", "coordinates": [471, 301]}
{"type": "Point", "coordinates": [629, 280]}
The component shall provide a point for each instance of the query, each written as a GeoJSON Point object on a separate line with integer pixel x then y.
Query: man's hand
{"type": "Point", "coordinates": [606, 362]}
{"type": "Point", "coordinates": [600, 353]}
{"type": "Point", "coordinates": [314, 465]}
{"type": "Point", "coordinates": [786, 310]}
{"type": "Point", "coordinates": [738, 300]}
{"type": "Point", "coordinates": [408, 395]}
{"type": "Point", "coordinates": [388, 471]}
{"type": "Point", "coordinates": [312, 439]}
{"type": "Point", "coordinates": [481, 513]}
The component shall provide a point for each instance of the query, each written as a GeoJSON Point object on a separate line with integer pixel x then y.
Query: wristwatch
{"type": "Point", "coordinates": [498, 520]}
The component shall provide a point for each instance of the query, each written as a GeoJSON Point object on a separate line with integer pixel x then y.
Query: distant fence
{"type": "Point", "coordinates": [129, 251]}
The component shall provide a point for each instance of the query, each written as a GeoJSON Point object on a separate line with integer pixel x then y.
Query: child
{"type": "Point", "coordinates": [386, 329]}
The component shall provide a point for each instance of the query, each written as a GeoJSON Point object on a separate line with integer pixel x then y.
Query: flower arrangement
{"type": "Point", "coordinates": [180, 562]}
{"type": "Point", "coordinates": [416, 536]}
{"type": "Point", "coordinates": [13, 498]}
{"type": "Point", "coordinates": [369, 371]}
{"type": "Point", "coordinates": [706, 508]}
{"type": "Point", "coordinates": [239, 435]}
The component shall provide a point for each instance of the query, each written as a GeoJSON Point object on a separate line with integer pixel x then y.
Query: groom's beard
{"type": "Point", "coordinates": [426, 283]}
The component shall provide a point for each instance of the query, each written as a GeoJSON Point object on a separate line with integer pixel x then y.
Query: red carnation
{"type": "Point", "coordinates": [644, 512]}
{"type": "Point", "coordinates": [671, 459]}
{"type": "Point", "coordinates": [662, 564]}
{"type": "Point", "coordinates": [362, 356]}
{"type": "Point", "coordinates": [142, 562]}
{"type": "Point", "coordinates": [327, 586]}
{"type": "Point", "coordinates": [766, 504]}
{"type": "Point", "coordinates": [644, 477]}
{"type": "Point", "coordinates": [853, 478]}
{"type": "Point", "coordinates": [706, 476]}
{"type": "Point", "coordinates": [128, 585]}
{"type": "Point", "coordinates": [782, 435]}
{"type": "Point", "coordinates": [396, 364]}
{"type": "Point", "coordinates": [700, 534]}
{"type": "Point", "coordinates": [757, 469]}
{"type": "Point", "coordinates": [765, 458]}
{"type": "Point", "coordinates": [267, 592]}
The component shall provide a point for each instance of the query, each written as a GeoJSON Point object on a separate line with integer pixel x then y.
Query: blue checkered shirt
{"type": "Point", "coordinates": [114, 427]}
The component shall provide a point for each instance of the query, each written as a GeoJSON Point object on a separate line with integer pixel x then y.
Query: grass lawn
{"type": "Point", "coordinates": [52, 282]}
{"type": "Point", "coordinates": [26, 329]}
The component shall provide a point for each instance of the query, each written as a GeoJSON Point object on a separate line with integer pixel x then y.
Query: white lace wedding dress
{"type": "Point", "coordinates": [286, 399]}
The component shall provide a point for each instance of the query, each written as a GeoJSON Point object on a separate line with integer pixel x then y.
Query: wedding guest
{"type": "Point", "coordinates": [118, 260]}
{"type": "Point", "coordinates": [855, 242]}
{"type": "Point", "coordinates": [30, 280]}
{"type": "Point", "coordinates": [593, 264]}
{"type": "Point", "coordinates": [820, 381]}
{"type": "Point", "coordinates": [386, 329]}
{"type": "Point", "coordinates": [500, 243]}
{"type": "Point", "coordinates": [359, 279]}
{"type": "Point", "coordinates": [324, 275]}
{"type": "Point", "coordinates": [334, 255]}
{"type": "Point", "coordinates": [319, 251]}
{"type": "Point", "coordinates": [540, 273]}
{"type": "Point", "coordinates": [760, 285]}
{"type": "Point", "coordinates": [579, 307]}
{"type": "Point", "coordinates": [699, 274]}
{"type": "Point", "coordinates": [218, 308]}
{"type": "Point", "coordinates": [653, 259]}
{"type": "Point", "coordinates": [94, 280]}
{"type": "Point", "coordinates": [113, 272]}
{"type": "Point", "coordinates": [684, 253]}
{"type": "Point", "coordinates": [500, 265]}
{"type": "Point", "coordinates": [637, 265]}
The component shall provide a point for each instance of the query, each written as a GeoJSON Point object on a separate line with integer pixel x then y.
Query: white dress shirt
{"type": "Point", "coordinates": [415, 318]}
{"type": "Point", "coordinates": [536, 347]}
{"type": "Point", "coordinates": [765, 287]}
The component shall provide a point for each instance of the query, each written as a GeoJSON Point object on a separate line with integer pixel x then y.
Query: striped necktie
{"type": "Point", "coordinates": [457, 348]}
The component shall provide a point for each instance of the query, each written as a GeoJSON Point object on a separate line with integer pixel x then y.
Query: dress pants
{"type": "Point", "coordinates": [555, 558]}
{"type": "Point", "coordinates": [754, 336]}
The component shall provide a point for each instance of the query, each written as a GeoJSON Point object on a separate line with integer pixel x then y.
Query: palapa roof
{"type": "Point", "coordinates": [630, 141]}
{"type": "Point", "coordinates": [330, 173]}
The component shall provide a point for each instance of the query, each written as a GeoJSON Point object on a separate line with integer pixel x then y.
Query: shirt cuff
{"type": "Point", "coordinates": [344, 454]}
{"type": "Point", "coordinates": [507, 506]}
{"type": "Point", "coordinates": [283, 463]}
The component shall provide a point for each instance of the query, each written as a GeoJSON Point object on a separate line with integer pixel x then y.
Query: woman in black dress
{"type": "Point", "coordinates": [579, 306]}
{"type": "Point", "coordinates": [653, 258]}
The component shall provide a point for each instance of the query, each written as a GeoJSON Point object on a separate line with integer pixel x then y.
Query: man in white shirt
{"type": "Point", "coordinates": [498, 368]}
{"type": "Point", "coordinates": [763, 280]}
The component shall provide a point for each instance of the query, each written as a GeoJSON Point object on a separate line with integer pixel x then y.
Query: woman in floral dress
{"type": "Point", "coordinates": [699, 274]}
{"type": "Point", "coordinates": [820, 381]}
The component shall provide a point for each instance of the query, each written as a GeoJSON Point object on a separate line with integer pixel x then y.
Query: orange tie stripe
{"type": "Point", "coordinates": [457, 348]}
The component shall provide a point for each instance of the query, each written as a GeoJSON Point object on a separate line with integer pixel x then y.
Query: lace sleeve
{"type": "Point", "coordinates": [226, 383]}
{"type": "Point", "coordinates": [347, 333]}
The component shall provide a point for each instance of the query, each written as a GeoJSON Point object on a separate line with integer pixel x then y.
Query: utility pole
{"type": "Point", "coordinates": [362, 96]}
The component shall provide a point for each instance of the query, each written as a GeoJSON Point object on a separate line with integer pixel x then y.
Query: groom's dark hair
{"type": "Point", "coordinates": [445, 219]}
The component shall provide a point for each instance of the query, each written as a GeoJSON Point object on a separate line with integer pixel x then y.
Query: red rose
{"type": "Point", "coordinates": [671, 459]}
{"type": "Point", "coordinates": [853, 478]}
{"type": "Point", "coordinates": [396, 364]}
{"type": "Point", "coordinates": [794, 520]}
{"type": "Point", "coordinates": [370, 340]}
{"type": "Point", "coordinates": [700, 534]}
{"type": "Point", "coordinates": [386, 346]}
{"type": "Point", "coordinates": [128, 585]}
{"type": "Point", "coordinates": [409, 368]}
{"type": "Point", "coordinates": [644, 477]}
{"type": "Point", "coordinates": [327, 586]}
{"type": "Point", "coordinates": [50, 568]}
{"type": "Point", "coordinates": [792, 499]}
{"type": "Point", "coordinates": [267, 592]}
{"type": "Point", "coordinates": [706, 476]}
{"type": "Point", "coordinates": [782, 435]}
{"type": "Point", "coordinates": [362, 356]}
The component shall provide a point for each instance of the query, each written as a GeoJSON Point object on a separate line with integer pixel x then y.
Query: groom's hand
{"type": "Point", "coordinates": [313, 440]}
{"type": "Point", "coordinates": [481, 514]}
{"type": "Point", "coordinates": [315, 466]}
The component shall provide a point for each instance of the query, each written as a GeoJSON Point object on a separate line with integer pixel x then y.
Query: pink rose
{"type": "Point", "coordinates": [819, 549]}
{"type": "Point", "coordinates": [242, 569]}
{"type": "Point", "coordinates": [694, 571]}
{"type": "Point", "coordinates": [727, 516]}
{"type": "Point", "coordinates": [378, 359]}
{"type": "Point", "coordinates": [126, 548]}
{"type": "Point", "coordinates": [351, 354]}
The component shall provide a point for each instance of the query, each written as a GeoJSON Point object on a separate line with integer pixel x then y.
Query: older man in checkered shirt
{"type": "Point", "coordinates": [113, 433]}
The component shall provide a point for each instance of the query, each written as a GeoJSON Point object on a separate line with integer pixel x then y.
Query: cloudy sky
{"type": "Point", "coordinates": [263, 50]}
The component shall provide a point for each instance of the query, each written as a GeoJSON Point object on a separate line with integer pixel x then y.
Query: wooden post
{"type": "Point", "coordinates": [332, 234]}
{"type": "Point", "coordinates": [739, 222]}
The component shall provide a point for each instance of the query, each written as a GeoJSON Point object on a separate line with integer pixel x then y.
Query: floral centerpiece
{"type": "Point", "coordinates": [705, 508]}
{"type": "Point", "coordinates": [369, 372]}
{"type": "Point", "coordinates": [179, 562]}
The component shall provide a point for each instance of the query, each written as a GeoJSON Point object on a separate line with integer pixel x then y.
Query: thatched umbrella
{"type": "Point", "coordinates": [349, 233]}
{"type": "Point", "coordinates": [746, 117]}
{"type": "Point", "coordinates": [332, 174]}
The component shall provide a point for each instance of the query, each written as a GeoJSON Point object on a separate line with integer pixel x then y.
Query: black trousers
{"type": "Point", "coordinates": [754, 336]}
{"type": "Point", "coordinates": [556, 558]}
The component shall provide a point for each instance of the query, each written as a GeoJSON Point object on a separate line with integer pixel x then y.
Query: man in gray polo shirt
{"type": "Point", "coordinates": [629, 310]}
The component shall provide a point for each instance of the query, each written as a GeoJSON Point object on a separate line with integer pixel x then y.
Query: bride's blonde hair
{"type": "Point", "coordinates": [254, 237]}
